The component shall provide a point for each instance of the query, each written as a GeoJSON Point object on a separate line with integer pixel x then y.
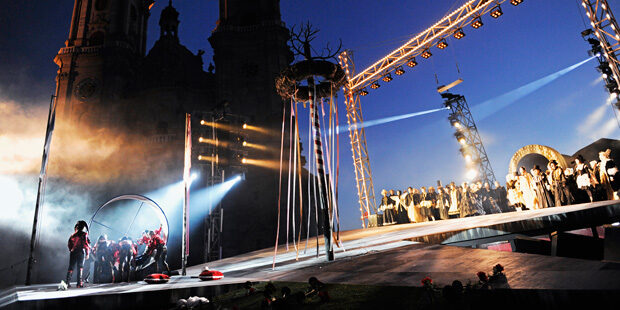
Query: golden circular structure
{"type": "Point", "coordinates": [547, 152]}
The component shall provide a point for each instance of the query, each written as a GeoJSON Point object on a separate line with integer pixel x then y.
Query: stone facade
{"type": "Point", "coordinates": [107, 78]}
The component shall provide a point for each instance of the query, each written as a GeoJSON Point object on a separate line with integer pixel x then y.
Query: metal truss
{"type": "Point", "coordinates": [606, 30]}
{"type": "Point", "coordinates": [224, 153]}
{"type": "Point", "coordinates": [469, 138]}
{"type": "Point", "coordinates": [447, 26]}
{"type": "Point", "coordinates": [359, 149]}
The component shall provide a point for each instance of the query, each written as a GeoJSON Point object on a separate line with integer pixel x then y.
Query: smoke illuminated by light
{"type": "Point", "coordinates": [270, 164]}
{"type": "Point", "coordinates": [472, 173]}
{"type": "Point", "coordinates": [492, 106]}
{"type": "Point", "coordinates": [390, 119]}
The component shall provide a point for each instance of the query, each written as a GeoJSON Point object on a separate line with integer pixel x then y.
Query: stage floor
{"type": "Point", "coordinates": [389, 256]}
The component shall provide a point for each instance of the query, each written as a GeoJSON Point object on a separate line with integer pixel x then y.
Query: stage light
{"type": "Point", "coordinates": [462, 140]}
{"type": "Point", "coordinates": [459, 34]}
{"type": "Point", "coordinates": [375, 85]}
{"type": "Point", "coordinates": [194, 177]}
{"type": "Point", "coordinates": [472, 173]}
{"type": "Point", "coordinates": [387, 78]}
{"type": "Point", "coordinates": [468, 158]}
{"type": "Point", "coordinates": [245, 126]}
{"type": "Point", "coordinates": [243, 160]}
{"type": "Point", "coordinates": [203, 122]}
{"type": "Point", "coordinates": [615, 224]}
{"type": "Point", "coordinates": [477, 23]}
{"type": "Point", "coordinates": [412, 63]}
{"type": "Point", "coordinates": [399, 71]}
{"type": "Point", "coordinates": [517, 2]}
{"type": "Point", "coordinates": [245, 143]}
{"type": "Point", "coordinates": [604, 76]}
{"type": "Point", "coordinates": [363, 92]}
{"type": "Point", "coordinates": [496, 12]}
{"type": "Point", "coordinates": [442, 44]}
{"type": "Point", "coordinates": [426, 54]}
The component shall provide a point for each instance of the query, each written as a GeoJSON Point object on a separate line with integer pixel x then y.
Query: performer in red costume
{"type": "Point", "coordinates": [157, 248]}
{"type": "Point", "coordinates": [79, 247]}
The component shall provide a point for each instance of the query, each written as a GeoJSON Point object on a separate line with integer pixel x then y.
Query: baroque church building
{"type": "Point", "coordinates": [108, 78]}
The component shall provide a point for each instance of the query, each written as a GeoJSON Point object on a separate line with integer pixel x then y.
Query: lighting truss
{"type": "Point", "coordinates": [359, 149]}
{"type": "Point", "coordinates": [605, 29]}
{"type": "Point", "coordinates": [459, 18]}
{"type": "Point", "coordinates": [465, 15]}
{"type": "Point", "coordinates": [468, 137]}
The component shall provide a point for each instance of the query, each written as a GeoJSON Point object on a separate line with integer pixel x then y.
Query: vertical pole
{"type": "Point", "coordinates": [51, 120]}
{"type": "Point", "coordinates": [186, 180]}
{"type": "Point", "coordinates": [318, 151]}
{"type": "Point", "coordinates": [219, 240]}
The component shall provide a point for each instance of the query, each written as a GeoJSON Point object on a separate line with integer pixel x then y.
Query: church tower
{"type": "Point", "coordinates": [250, 49]}
{"type": "Point", "coordinates": [98, 61]}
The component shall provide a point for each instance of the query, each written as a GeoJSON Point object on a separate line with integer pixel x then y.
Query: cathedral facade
{"type": "Point", "coordinates": [108, 78]}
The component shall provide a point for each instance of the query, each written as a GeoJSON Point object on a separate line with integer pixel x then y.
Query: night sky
{"type": "Point", "coordinates": [528, 42]}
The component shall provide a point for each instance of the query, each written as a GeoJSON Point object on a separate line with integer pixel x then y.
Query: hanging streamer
{"type": "Point", "coordinates": [288, 198]}
{"type": "Point", "coordinates": [275, 250]}
{"type": "Point", "coordinates": [294, 147]}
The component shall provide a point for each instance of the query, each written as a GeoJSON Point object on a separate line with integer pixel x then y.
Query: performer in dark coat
{"type": "Point", "coordinates": [467, 202]}
{"type": "Point", "coordinates": [488, 202]}
{"type": "Point", "coordinates": [540, 188]}
{"type": "Point", "coordinates": [103, 267]}
{"type": "Point", "coordinates": [127, 257]}
{"type": "Point", "coordinates": [585, 181]}
{"type": "Point", "coordinates": [79, 247]}
{"type": "Point", "coordinates": [500, 195]}
{"type": "Point", "coordinates": [558, 185]}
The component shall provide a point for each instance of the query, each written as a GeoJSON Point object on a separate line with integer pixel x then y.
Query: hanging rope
{"type": "Point", "coordinates": [275, 250]}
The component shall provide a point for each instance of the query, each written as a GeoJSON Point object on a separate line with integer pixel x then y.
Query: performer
{"type": "Point", "coordinates": [558, 180]}
{"type": "Point", "coordinates": [157, 249]}
{"type": "Point", "coordinates": [543, 196]}
{"type": "Point", "coordinates": [433, 210]}
{"type": "Point", "coordinates": [443, 202]}
{"type": "Point", "coordinates": [400, 209]}
{"type": "Point", "coordinates": [489, 204]}
{"type": "Point", "coordinates": [527, 189]}
{"type": "Point", "coordinates": [103, 266]}
{"type": "Point", "coordinates": [409, 202]}
{"type": "Point", "coordinates": [425, 205]}
{"type": "Point", "coordinates": [417, 206]}
{"type": "Point", "coordinates": [386, 206]}
{"type": "Point", "coordinates": [500, 194]}
{"type": "Point", "coordinates": [455, 198]}
{"type": "Point", "coordinates": [585, 181]}
{"type": "Point", "coordinates": [79, 247]}
{"type": "Point", "coordinates": [467, 202]}
{"type": "Point", "coordinates": [598, 192]}
{"type": "Point", "coordinates": [607, 174]}
{"type": "Point", "coordinates": [127, 257]}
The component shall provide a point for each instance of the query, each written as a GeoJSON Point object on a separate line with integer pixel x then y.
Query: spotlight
{"type": "Point", "coordinates": [477, 23]}
{"type": "Point", "coordinates": [244, 160]}
{"type": "Point", "coordinates": [387, 78]}
{"type": "Point", "coordinates": [245, 143]}
{"type": "Point", "coordinates": [412, 63]}
{"type": "Point", "coordinates": [426, 54]}
{"type": "Point", "coordinates": [194, 177]}
{"type": "Point", "coordinates": [459, 34]}
{"type": "Point", "coordinates": [399, 71]}
{"type": "Point", "coordinates": [472, 173]}
{"type": "Point", "coordinates": [462, 140]}
{"type": "Point", "coordinates": [517, 2]}
{"type": "Point", "coordinates": [442, 44]}
{"type": "Point", "coordinates": [203, 122]}
{"type": "Point", "coordinates": [201, 138]}
{"type": "Point", "coordinates": [363, 92]}
{"type": "Point", "coordinates": [245, 126]}
{"type": "Point", "coordinates": [496, 12]}
{"type": "Point", "coordinates": [375, 85]}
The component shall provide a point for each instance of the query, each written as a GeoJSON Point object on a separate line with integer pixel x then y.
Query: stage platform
{"type": "Point", "coordinates": [390, 256]}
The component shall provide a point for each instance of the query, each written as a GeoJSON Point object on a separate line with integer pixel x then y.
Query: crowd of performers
{"type": "Point", "coordinates": [537, 189]}
{"type": "Point", "coordinates": [115, 261]}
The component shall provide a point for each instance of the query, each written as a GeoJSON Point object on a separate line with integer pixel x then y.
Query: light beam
{"type": "Point", "coordinates": [384, 120]}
